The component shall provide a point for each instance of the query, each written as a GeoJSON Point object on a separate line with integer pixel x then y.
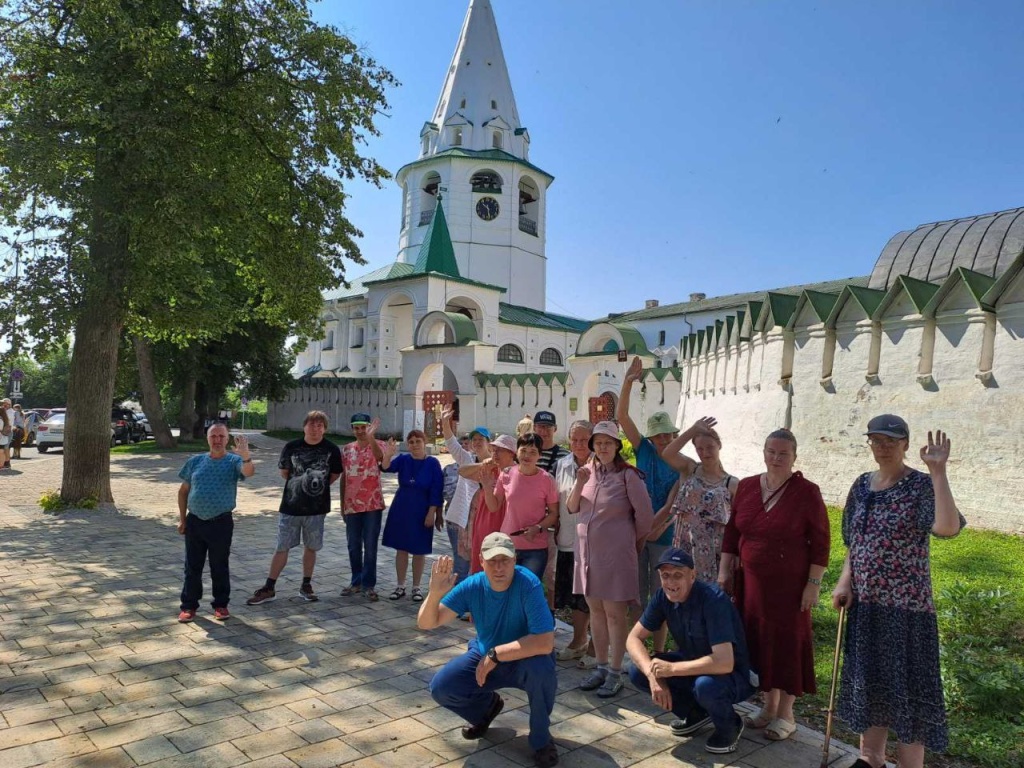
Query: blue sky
{"type": "Point", "coordinates": [721, 146]}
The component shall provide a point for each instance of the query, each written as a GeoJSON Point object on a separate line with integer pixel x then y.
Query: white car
{"type": "Point", "coordinates": [50, 434]}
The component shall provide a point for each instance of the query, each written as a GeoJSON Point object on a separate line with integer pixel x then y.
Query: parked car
{"type": "Point", "coordinates": [126, 428]}
{"type": "Point", "coordinates": [147, 430]}
{"type": "Point", "coordinates": [35, 418]}
{"type": "Point", "coordinates": [50, 433]}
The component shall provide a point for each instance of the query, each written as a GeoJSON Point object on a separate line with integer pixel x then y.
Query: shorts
{"type": "Point", "coordinates": [564, 597]}
{"type": "Point", "coordinates": [291, 527]}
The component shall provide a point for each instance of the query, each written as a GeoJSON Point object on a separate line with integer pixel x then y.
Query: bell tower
{"type": "Point", "coordinates": [475, 151]}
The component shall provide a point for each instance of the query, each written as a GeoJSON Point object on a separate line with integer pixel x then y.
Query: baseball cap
{"type": "Point", "coordinates": [482, 431]}
{"type": "Point", "coordinates": [360, 418]}
{"type": "Point", "coordinates": [497, 544]}
{"type": "Point", "coordinates": [505, 441]}
{"type": "Point", "coordinates": [675, 556]}
{"type": "Point", "coordinates": [661, 424]}
{"type": "Point", "coordinates": [545, 418]}
{"type": "Point", "coordinates": [889, 425]}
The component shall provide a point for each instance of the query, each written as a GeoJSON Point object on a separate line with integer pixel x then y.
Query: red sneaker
{"type": "Point", "coordinates": [186, 616]}
{"type": "Point", "coordinates": [221, 614]}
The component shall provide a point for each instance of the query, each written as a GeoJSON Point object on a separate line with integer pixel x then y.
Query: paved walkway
{"type": "Point", "coordinates": [95, 670]}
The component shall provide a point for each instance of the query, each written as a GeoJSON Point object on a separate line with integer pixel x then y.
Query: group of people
{"type": "Point", "coordinates": [729, 567]}
{"type": "Point", "coordinates": [15, 426]}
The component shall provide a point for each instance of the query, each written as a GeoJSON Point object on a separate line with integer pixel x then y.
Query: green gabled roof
{"type": "Point", "coordinates": [1003, 282]}
{"type": "Point", "coordinates": [868, 299]}
{"type": "Point", "coordinates": [437, 254]}
{"type": "Point", "coordinates": [514, 314]}
{"type": "Point", "coordinates": [821, 303]}
{"type": "Point", "coordinates": [692, 345]}
{"type": "Point", "coordinates": [740, 317]}
{"type": "Point", "coordinates": [978, 285]}
{"type": "Point", "coordinates": [781, 307]}
{"type": "Point", "coordinates": [754, 308]}
{"type": "Point", "coordinates": [918, 291]}
{"type": "Point", "coordinates": [719, 328]}
{"type": "Point", "coordinates": [492, 155]}
{"type": "Point", "coordinates": [730, 324]}
{"type": "Point", "coordinates": [358, 286]}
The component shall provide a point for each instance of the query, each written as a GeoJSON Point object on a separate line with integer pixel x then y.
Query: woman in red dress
{"type": "Point", "coordinates": [483, 520]}
{"type": "Point", "coordinates": [774, 554]}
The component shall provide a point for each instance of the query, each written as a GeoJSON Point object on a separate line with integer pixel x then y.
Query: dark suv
{"type": "Point", "coordinates": [125, 426]}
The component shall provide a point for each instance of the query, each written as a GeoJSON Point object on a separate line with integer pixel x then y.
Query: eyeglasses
{"type": "Point", "coordinates": [882, 442]}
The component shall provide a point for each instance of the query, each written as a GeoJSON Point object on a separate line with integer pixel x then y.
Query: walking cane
{"type": "Point", "coordinates": [835, 681]}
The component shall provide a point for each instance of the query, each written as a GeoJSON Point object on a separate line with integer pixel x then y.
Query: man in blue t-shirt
{"type": "Point", "coordinates": [513, 648]}
{"type": "Point", "coordinates": [711, 670]}
{"type": "Point", "coordinates": [206, 498]}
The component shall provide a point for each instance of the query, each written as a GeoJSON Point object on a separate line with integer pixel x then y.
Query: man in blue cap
{"type": "Point", "coordinates": [710, 672]}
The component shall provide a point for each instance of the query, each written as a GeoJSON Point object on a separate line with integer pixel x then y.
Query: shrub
{"type": "Point", "coordinates": [51, 501]}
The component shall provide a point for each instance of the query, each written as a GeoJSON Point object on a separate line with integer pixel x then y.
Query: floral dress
{"type": "Point", "coordinates": [702, 509]}
{"type": "Point", "coordinates": [891, 669]}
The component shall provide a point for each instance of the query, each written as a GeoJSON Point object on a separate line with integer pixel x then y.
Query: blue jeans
{"type": "Point", "coordinates": [460, 564]}
{"type": "Point", "coordinates": [454, 688]}
{"type": "Point", "coordinates": [362, 531]}
{"type": "Point", "coordinates": [533, 560]}
{"type": "Point", "coordinates": [715, 694]}
{"type": "Point", "coordinates": [207, 538]}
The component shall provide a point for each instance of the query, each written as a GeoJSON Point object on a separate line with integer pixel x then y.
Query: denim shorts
{"type": "Point", "coordinates": [290, 528]}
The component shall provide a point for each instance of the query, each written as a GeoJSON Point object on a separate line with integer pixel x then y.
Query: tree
{"type": "Point", "coordinates": [160, 150]}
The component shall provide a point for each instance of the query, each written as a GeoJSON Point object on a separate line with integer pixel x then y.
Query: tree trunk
{"type": "Point", "coordinates": [97, 337]}
{"type": "Point", "coordinates": [187, 414]}
{"type": "Point", "coordinates": [199, 426]}
{"type": "Point", "coordinates": [151, 395]}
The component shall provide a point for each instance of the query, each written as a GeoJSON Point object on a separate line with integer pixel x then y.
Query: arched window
{"type": "Point", "coordinates": [611, 346]}
{"type": "Point", "coordinates": [529, 206]}
{"type": "Point", "coordinates": [456, 137]}
{"type": "Point", "coordinates": [550, 356]}
{"type": "Point", "coordinates": [496, 140]}
{"type": "Point", "coordinates": [486, 181]}
{"type": "Point", "coordinates": [428, 197]}
{"type": "Point", "coordinates": [329, 341]}
{"type": "Point", "coordinates": [510, 353]}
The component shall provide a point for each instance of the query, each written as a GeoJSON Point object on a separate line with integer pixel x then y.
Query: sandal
{"type": "Point", "coordinates": [586, 662]}
{"type": "Point", "coordinates": [398, 594]}
{"type": "Point", "coordinates": [351, 590]}
{"type": "Point", "coordinates": [569, 653]}
{"type": "Point", "coordinates": [779, 729]}
{"type": "Point", "coordinates": [760, 720]}
{"type": "Point", "coordinates": [372, 596]}
{"type": "Point", "coordinates": [417, 595]}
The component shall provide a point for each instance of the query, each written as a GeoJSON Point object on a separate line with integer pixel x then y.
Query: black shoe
{"type": "Point", "coordinates": [723, 741]}
{"type": "Point", "coordinates": [546, 756]}
{"type": "Point", "coordinates": [694, 721]}
{"type": "Point", "coordinates": [861, 763]}
{"type": "Point", "coordinates": [478, 730]}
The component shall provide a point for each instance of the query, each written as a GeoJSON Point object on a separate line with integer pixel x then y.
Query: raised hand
{"type": "Point", "coordinates": [390, 448]}
{"type": "Point", "coordinates": [242, 446]}
{"type": "Point", "coordinates": [448, 414]}
{"type": "Point", "coordinates": [583, 474]}
{"type": "Point", "coordinates": [704, 425]}
{"type": "Point", "coordinates": [936, 453]}
{"type": "Point", "coordinates": [442, 576]}
{"type": "Point", "coordinates": [635, 369]}
{"type": "Point", "coordinates": [374, 426]}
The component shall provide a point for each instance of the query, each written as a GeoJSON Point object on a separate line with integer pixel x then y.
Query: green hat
{"type": "Point", "coordinates": [661, 424]}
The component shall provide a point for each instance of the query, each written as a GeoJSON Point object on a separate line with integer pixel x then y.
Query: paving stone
{"type": "Point", "coordinates": [277, 717]}
{"type": "Point", "coordinates": [81, 687]}
{"type": "Point", "coordinates": [218, 756]}
{"type": "Point", "coordinates": [136, 730]}
{"type": "Point", "coordinates": [388, 736]}
{"type": "Point", "coordinates": [326, 754]}
{"type": "Point", "coordinates": [266, 743]}
{"type": "Point", "coordinates": [88, 703]}
{"type": "Point", "coordinates": [150, 750]}
{"type": "Point", "coordinates": [26, 734]}
{"type": "Point", "coordinates": [133, 710]}
{"type": "Point", "coordinates": [107, 758]}
{"type": "Point", "coordinates": [40, 752]}
{"type": "Point", "coordinates": [214, 732]}
{"type": "Point", "coordinates": [34, 713]}
{"type": "Point", "coordinates": [409, 756]}
{"type": "Point", "coordinates": [316, 730]}
{"type": "Point", "coordinates": [274, 761]}
{"type": "Point", "coordinates": [191, 697]}
{"type": "Point", "coordinates": [87, 721]}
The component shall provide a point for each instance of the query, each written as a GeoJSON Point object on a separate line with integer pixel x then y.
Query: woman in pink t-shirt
{"type": "Point", "coordinates": [531, 504]}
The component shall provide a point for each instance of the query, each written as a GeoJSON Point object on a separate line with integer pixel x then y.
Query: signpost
{"type": "Point", "coordinates": [16, 377]}
{"type": "Point", "coordinates": [245, 407]}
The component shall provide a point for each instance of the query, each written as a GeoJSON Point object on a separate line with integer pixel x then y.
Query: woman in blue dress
{"type": "Point", "coordinates": [415, 511]}
{"type": "Point", "coordinates": [891, 675]}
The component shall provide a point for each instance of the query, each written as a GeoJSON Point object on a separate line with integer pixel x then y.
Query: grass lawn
{"type": "Point", "coordinates": [982, 645]}
{"type": "Point", "coordinates": [150, 446]}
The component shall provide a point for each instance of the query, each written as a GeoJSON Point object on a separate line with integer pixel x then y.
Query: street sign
{"type": "Point", "coordinates": [245, 403]}
{"type": "Point", "coordinates": [17, 374]}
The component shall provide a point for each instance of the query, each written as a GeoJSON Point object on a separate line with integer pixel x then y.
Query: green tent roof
{"type": "Point", "coordinates": [437, 254]}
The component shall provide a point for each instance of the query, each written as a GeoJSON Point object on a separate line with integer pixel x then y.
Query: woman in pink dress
{"type": "Point", "coordinates": [614, 519]}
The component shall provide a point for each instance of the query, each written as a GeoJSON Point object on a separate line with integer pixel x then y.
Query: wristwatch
{"type": "Point", "coordinates": [493, 655]}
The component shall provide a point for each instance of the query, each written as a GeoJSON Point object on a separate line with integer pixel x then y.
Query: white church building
{"type": "Point", "coordinates": [934, 333]}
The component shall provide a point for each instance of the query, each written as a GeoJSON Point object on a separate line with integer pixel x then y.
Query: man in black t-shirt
{"type": "Point", "coordinates": [309, 466]}
{"type": "Point", "coordinates": [711, 670]}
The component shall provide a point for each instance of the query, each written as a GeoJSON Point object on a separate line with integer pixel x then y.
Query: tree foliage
{"type": "Point", "coordinates": [180, 168]}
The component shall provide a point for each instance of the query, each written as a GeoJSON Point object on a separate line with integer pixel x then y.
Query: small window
{"type": "Point", "coordinates": [494, 104]}
{"type": "Point", "coordinates": [496, 140]}
{"type": "Point", "coordinates": [510, 353]}
{"type": "Point", "coordinates": [462, 104]}
{"type": "Point", "coordinates": [486, 181]}
{"type": "Point", "coordinates": [657, 363]}
{"type": "Point", "coordinates": [661, 338]}
{"type": "Point", "coordinates": [550, 356]}
{"type": "Point", "coordinates": [674, 363]}
{"type": "Point", "coordinates": [456, 137]}
{"type": "Point", "coordinates": [425, 145]}
{"type": "Point", "coordinates": [329, 342]}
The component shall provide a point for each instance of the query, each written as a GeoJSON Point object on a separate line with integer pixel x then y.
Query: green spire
{"type": "Point", "coordinates": [436, 253]}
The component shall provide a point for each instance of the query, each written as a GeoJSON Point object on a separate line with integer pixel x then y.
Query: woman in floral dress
{"type": "Point", "coordinates": [891, 671]}
{"type": "Point", "coordinates": [701, 502]}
